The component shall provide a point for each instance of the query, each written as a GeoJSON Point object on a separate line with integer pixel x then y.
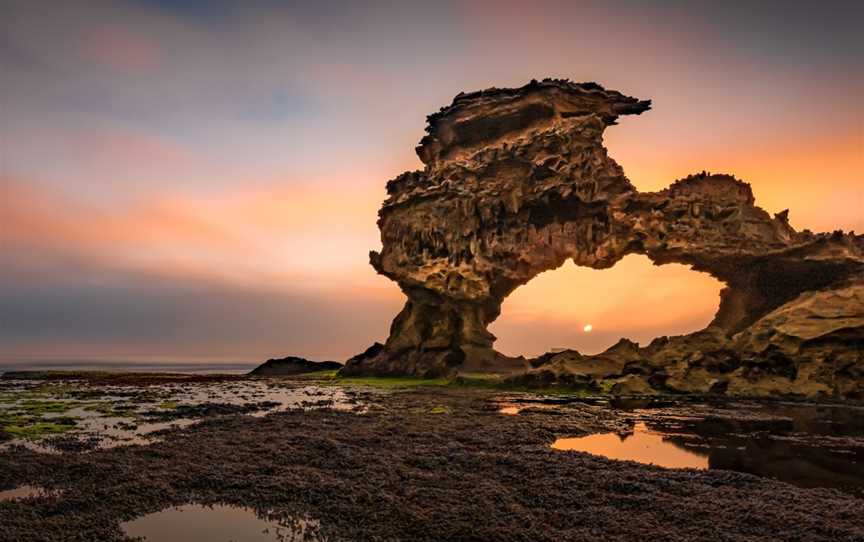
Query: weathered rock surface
{"type": "Point", "coordinates": [293, 366]}
{"type": "Point", "coordinates": [517, 181]}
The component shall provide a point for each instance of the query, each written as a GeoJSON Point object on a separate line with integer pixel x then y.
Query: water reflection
{"type": "Point", "coordinates": [641, 445]}
{"type": "Point", "coordinates": [802, 444]}
{"type": "Point", "coordinates": [807, 451]}
{"type": "Point", "coordinates": [199, 523]}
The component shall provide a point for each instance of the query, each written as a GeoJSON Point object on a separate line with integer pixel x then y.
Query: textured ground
{"type": "Point", "coordinates": [419, 465]}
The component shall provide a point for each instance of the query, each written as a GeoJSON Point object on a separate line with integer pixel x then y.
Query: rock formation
{"type": "Point", "coordinates": [517, 181]}
{"type": "Point", "coordinates": [292, 365]}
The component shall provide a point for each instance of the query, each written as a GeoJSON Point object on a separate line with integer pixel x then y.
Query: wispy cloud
{"type": "Point", "coordinates": [87, 309]}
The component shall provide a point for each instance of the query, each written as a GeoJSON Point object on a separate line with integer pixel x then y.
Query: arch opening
{"type": "Point", "coordinates": [590, 310]}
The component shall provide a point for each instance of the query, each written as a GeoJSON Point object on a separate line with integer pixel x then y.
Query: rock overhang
{"type": "Point", "coordinates": [517, 181]}
{"type": "Point", "coordinates": [479, 118]}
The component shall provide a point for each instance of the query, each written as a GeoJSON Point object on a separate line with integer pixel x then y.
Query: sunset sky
{"type": "Point", "coordinates": [199, 181]}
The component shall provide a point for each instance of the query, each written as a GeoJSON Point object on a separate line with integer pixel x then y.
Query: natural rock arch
{"type": "Point", "coordinates": [552, 309]}
{"type": "Point", "coordinates": [517, 181]}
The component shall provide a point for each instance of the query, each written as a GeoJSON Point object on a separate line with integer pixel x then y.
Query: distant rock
{"type": "Point", "coordinates": [292, 365]}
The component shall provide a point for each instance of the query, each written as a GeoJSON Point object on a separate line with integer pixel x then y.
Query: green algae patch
{"type": "Point", "coordinates": [9, 418]}
{"type": "Point", "coordinates": [480, 381]}
{"type": "Point", "coordinates": [316, 375]}
{"type": "Point", "coordinates": [387, 382]}
{"type": "Point", "coordinates": [486, 381]}
{"type": "Point", "coordinates": [47, 391]}
{"type": "Point", "coordinates": [29, 419]}
{"type": "Point", "coordinates": [38, 408]}
{"type": "Point", "coordinates": [112, 409]}
{"type": "Point", "coordinates": [38, 429]}
{"type": "Point", "coordinates": [606, 386]}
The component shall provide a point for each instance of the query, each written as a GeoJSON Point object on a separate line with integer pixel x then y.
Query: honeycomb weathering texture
{"type": "Point", "coordinates": [517, 181]}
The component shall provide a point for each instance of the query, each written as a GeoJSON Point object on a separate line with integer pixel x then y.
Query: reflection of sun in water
{"type": "Point", "coordinates": [587, 328]}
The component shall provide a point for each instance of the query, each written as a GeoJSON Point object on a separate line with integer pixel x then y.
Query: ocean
{"type": "Point", "coordinates": [160, 366]}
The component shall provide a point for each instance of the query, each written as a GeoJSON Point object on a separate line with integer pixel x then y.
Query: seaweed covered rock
{"type": "Point", "coordinates": [517, 181]}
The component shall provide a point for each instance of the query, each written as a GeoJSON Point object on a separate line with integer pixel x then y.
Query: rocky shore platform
{"type": "Point", "coordinates": [421, 461]}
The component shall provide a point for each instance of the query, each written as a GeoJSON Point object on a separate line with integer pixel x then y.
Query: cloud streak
{"type": "Point", "coordinates": [86, 309]}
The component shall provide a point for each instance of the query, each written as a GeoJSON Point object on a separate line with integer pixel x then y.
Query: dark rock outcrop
{"type": "Point", "coordinates": [517, 181]}
{"type": "Point", "coordinates": [293, 366]}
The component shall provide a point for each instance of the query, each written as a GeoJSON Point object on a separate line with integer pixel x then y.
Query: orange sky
{"type": "Point", "coordinates": [204, 184]}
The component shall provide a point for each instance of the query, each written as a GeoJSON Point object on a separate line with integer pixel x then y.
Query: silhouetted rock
{"type": "Point", "coordinates": [292, 365]}
{"type": "Point", "coordinates": [517, 181]}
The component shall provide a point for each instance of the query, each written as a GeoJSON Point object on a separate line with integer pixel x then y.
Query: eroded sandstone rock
{"type": "Point", "coordinates": [517, 181]}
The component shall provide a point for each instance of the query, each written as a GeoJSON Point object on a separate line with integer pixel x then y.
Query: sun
{"type": "Point", "coordinates": [587, 328]}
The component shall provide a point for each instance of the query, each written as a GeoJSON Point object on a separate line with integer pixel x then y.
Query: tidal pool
{"type": "Point", "coordinates": [801, 444]}
{"type": "Point", "coordinates": [641, 445]}
{"type": "Point", "coordinates": [220, 523]}
{"type": "Point", "coordinates": [23, 492]}
{"type": "Point", "coordinates": [53, 417]}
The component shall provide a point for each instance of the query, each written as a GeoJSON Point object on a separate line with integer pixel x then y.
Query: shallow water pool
{"type": "Point", "coordinates": [808, 445]}
{"type": "Point", "coordinates": [641, 445]}
{"type": "Point", "coordinates": [220, 523]}
{"type": "Point", "coordinates": [23, 492]}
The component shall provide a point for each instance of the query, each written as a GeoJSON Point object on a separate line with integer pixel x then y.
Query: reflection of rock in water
{"type": "Point", "coordinates": [805, 466]}
{"type": "Point", "coordinates": [639, 445]}
{"type": "Point", "coordinates": [801, 444]}
{"type": "Point", "coordinates": [517, 181]}
{"type": "Point", "coordinates": [806, 448]}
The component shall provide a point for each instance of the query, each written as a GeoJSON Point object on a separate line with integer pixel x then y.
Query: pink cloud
{"type": "Point", "coordinates": [126, 147]}
{"type": "Point", "coordinates": [273, 234]}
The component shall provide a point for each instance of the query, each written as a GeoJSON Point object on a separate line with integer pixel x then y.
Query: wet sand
{"type": "Point", "coordinates": [438, 464]}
